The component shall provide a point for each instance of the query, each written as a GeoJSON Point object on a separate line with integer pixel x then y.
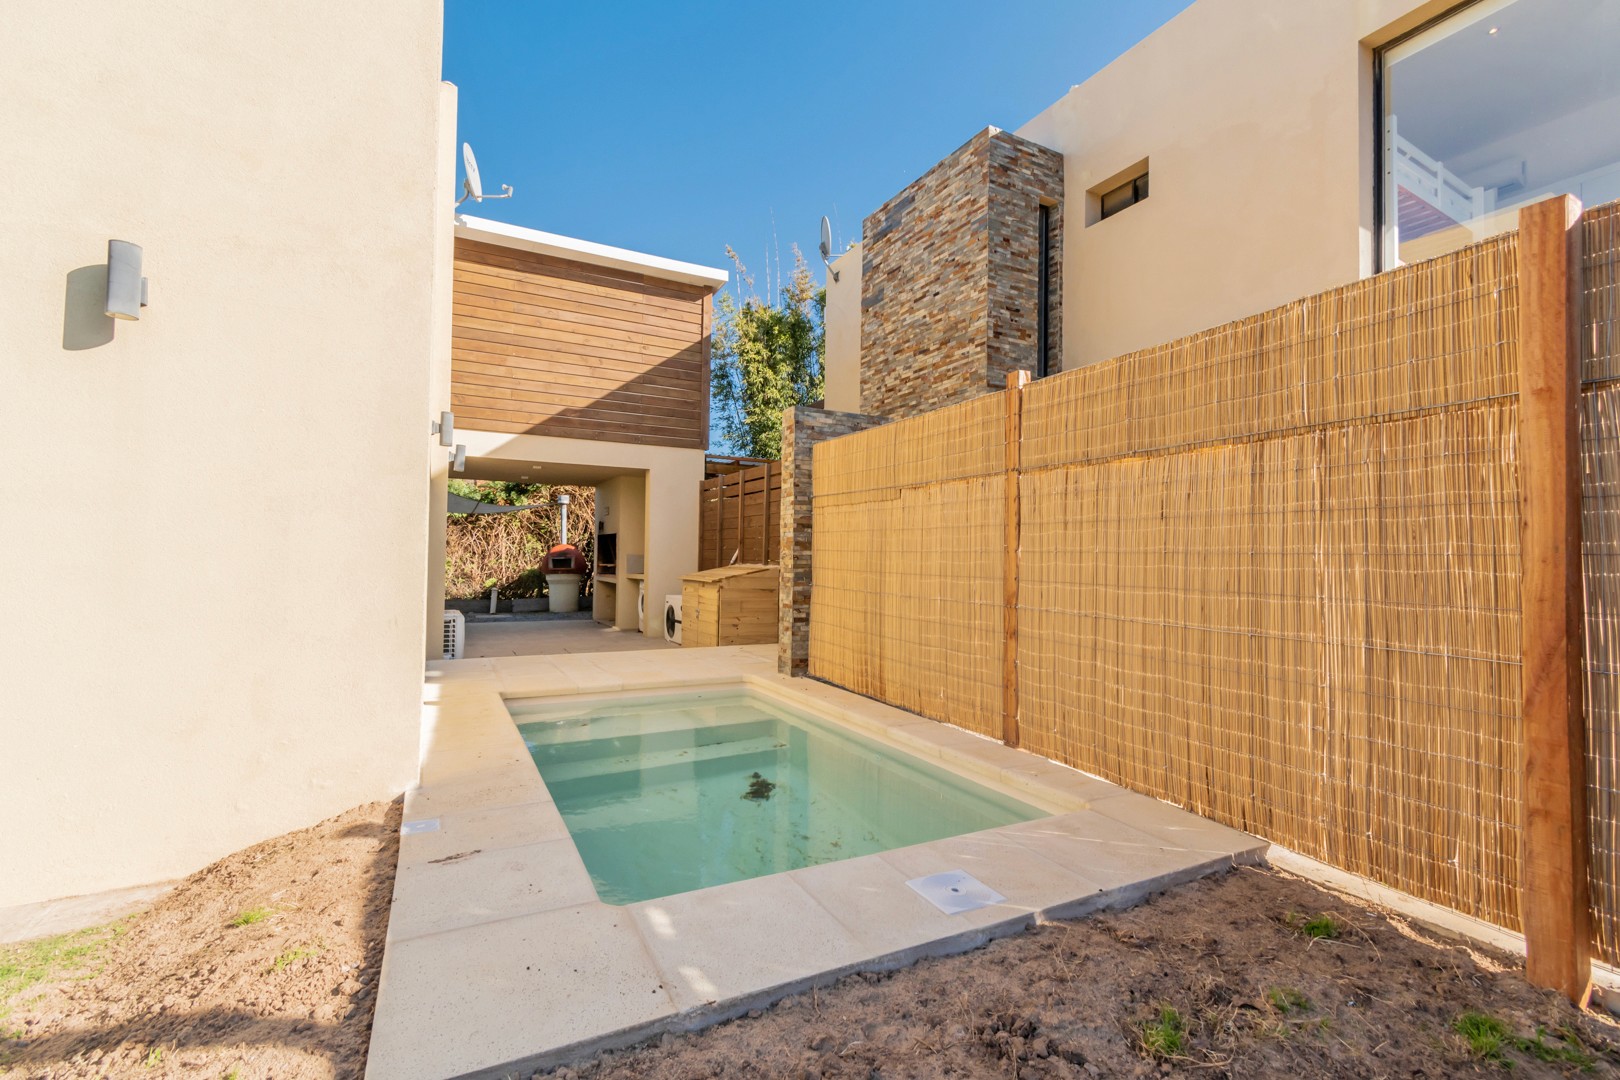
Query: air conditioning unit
{"type": "Point", "coordinates": [672, 618]}
{"type": "Point", "coordinates": [455, 635]}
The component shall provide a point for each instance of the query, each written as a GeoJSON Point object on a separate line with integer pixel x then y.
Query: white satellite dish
{"type": "Point", "coordinates": [475, 184]}
{"type": "Point", "coordinates": [472, 185]}
{"type": "Point", "coordinates": [826, 245]}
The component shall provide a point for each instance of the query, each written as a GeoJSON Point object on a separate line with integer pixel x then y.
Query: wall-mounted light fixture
{"type": "Point", "coordinates": [445, 428]}
{"type": "Point", "coordinates": [458, 459]}
{"type": "Point", "coordinates": [126, 288]}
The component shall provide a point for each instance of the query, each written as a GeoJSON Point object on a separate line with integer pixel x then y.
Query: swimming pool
{"type": "Point", "coordinates": [668, 794]}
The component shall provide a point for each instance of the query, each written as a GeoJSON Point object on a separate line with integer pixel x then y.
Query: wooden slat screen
{"type": "Point", "coordinates": [740, 517]}
{"type": "Point", "coordinates": [545, 346]}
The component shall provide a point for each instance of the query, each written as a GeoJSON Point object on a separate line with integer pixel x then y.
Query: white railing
{"type": "Point", "coordinates": [1431, 181]}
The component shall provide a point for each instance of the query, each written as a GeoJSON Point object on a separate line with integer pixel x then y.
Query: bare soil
{"type": "Point", "coordinates": [1256, 996]}
{"type": "Point", "coordinates": [262, 965]}
{"type": "Point", "coordinates": [265, 965]}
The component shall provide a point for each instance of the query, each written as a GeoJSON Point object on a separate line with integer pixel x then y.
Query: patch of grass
{"type": "Point", "coordinates": [1285, 999]}
{"type": "Point", "coordinates": [1323, 926]}
{"type": "Point", "coordinates": [1566, 1050]}
{"type": "Point", "coordinates": [234, 1074]}
{"type": "Point", "coordinates": [1486, 1036]}
{"type": "Point", "coordinates": [1165, 1036]}
{"type": "Point", "coordinates": [1489, 1039]}
{"type": "Point", "coordinates": [29, 963]}
{"type": "Point", "coordinates": [154, 1057]}
{"type": "Point", "coordinates": [292, 956]}
{"type": "Point", "coordinates": [252, 915]}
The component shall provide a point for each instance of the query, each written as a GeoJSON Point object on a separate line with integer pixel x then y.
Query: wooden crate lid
{"type": "Point", "coordinates": [725, 573]}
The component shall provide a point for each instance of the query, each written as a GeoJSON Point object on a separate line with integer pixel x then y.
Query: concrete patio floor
{"type": "Point", "coordinates": [549, 635]}
{"type": "Point", "coordinates": [501, 958]}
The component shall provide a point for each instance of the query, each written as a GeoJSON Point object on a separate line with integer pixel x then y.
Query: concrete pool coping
{"type": "Point", "coordinates": [500, 958]}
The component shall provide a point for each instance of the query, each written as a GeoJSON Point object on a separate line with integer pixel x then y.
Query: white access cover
{"type": "Point", "coordinates": [956, 891]}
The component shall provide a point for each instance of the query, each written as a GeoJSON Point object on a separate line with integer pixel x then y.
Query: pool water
{"type": "Point", "coordinates": [670, 794]}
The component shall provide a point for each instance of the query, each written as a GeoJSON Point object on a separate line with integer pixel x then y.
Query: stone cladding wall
{"type": "Point", "coordinates": [802, 429]}
{"type": "Point", "coordinates": [950, 276]}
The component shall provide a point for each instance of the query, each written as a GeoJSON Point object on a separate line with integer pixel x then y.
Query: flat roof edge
{"type": "Point", "coordinates": [567, 247]}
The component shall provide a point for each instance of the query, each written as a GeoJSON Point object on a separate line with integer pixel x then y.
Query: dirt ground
{"type": "Point", "coordinates": [262, 965]}
{"type": "Point", "coordinates": [1253, 994]}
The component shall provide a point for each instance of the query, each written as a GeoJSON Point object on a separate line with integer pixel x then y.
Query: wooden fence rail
{"type": "Point", "coordinates": [1280, 573]}
{"type": "Point", "coordinates": [740, 517]}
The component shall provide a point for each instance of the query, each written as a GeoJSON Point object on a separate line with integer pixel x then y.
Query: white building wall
{"type": "Point", "coordinates": [1256, 120]}
{"type": "Point", "coordinates": [214, 517]}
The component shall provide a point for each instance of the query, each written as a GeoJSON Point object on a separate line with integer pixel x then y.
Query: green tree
{"type": "Point", "coordinates": [766, 358]}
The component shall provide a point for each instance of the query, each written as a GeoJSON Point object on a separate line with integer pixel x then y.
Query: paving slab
{"type": "Point", "coordinates": [500, 956]}
{"type": "Point", "coordinates": [482, 1000]}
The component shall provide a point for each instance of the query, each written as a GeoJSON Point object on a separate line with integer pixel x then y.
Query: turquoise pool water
{"type": "Point", "coordinates": [666, 795]}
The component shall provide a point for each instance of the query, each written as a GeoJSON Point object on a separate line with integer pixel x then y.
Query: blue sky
{"type": "Point", "coordinates": [676, 128]}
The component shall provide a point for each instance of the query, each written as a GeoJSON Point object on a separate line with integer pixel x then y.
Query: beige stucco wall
{"type": "Point", "coordinates": [214, 525]}
{"type": "Point", "coordinates": [657, 508]}
{"type": "Point", "coordinates": [1256, 120]}
{"type": "Point", "coordinates": [843, 329]}
{"type": "Point", "coordinates": [444, 291]}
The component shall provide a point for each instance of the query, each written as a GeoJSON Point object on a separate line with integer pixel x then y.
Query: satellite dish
{"type": "Point", "coordinates": [472, 185]}
{"type": "Point", "coordinates": [826, 245]}
{"type": "Point", "coordinates": [475, 185]}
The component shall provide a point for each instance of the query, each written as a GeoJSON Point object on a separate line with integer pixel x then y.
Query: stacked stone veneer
{"type": "Point", "coordinates": [802, 429]}
{"type": "Point", "coordinates": [950, 277]}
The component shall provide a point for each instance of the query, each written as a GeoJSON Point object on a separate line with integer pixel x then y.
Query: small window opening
{"type": "Point", "coordinates": [1127, 194]}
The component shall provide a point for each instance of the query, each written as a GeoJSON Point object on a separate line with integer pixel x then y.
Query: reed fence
{"type": "Point", "coordinates": [1270, 572]}
{"type": "Point", "coordinates": [1600, 563]}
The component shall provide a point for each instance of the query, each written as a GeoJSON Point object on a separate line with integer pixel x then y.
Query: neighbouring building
{"type": "Point", "coordinates": [578, 363]}
{"type": "Point", "coordinates": [1246, 153]}
{"type": "Point", "coordinates": [216, 517]}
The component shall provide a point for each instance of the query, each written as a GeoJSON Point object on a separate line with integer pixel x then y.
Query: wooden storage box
{"type": "Point", "coordinates": [729, 605]}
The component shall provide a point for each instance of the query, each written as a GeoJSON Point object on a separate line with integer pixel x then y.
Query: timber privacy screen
{"type": "Point", "coordinates": [740, 517]}
{"type": "Point", "coordinates": [1270, 572]}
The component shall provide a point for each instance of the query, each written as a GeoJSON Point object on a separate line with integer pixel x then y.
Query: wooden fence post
{"type": "Point", "coordinates": [1553, 895]}
{"type": "Point", "coordinates": [1009, 672]}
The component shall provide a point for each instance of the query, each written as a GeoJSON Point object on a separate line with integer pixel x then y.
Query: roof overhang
{"type": "Point", "coordinates": [566, 247]}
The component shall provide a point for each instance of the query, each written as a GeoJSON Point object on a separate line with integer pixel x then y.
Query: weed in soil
{"type": "Point", "coordinates": [292, 956]}
{"type": "Point", "coordinates": [1322, 927]}
{"type": "Point", "coordinates": [251, 916]}
{"type": "Point", "coordinates": [1489, 1039]}
{"type": "Point", "coordinates": [1485, 1035]}
{"type": "Point", "coordinates": [1165, 1036]}
{"type": "Point", "coordinates": [1285, 999]}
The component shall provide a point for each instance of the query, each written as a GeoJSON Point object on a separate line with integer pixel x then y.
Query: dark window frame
{"type": "Point", "coordinates": [1043, 296]}
{"type": "Point", "coordinates": [1138, 186]}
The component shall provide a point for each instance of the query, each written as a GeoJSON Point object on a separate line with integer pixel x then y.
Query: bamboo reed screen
{"type": "Point", "coordinates": [1268, 572]}
{"type": "Point", "coordinates": [906, 604]}
{"type": "Point", "coordinates": [1600, 564]}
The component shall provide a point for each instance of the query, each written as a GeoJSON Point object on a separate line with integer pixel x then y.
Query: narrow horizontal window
{"type": "Point", "coordinates": [1128, 194]}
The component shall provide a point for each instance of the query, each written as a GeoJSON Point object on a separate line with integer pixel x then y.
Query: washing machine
{"type": "Point", "coordinates": [641, 606]}
{"type": "Point", "coordinates": [672, 618]}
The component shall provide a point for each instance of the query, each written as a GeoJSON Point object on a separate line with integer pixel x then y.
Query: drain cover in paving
{"type": "Point", "coordinates": [956, 891]}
